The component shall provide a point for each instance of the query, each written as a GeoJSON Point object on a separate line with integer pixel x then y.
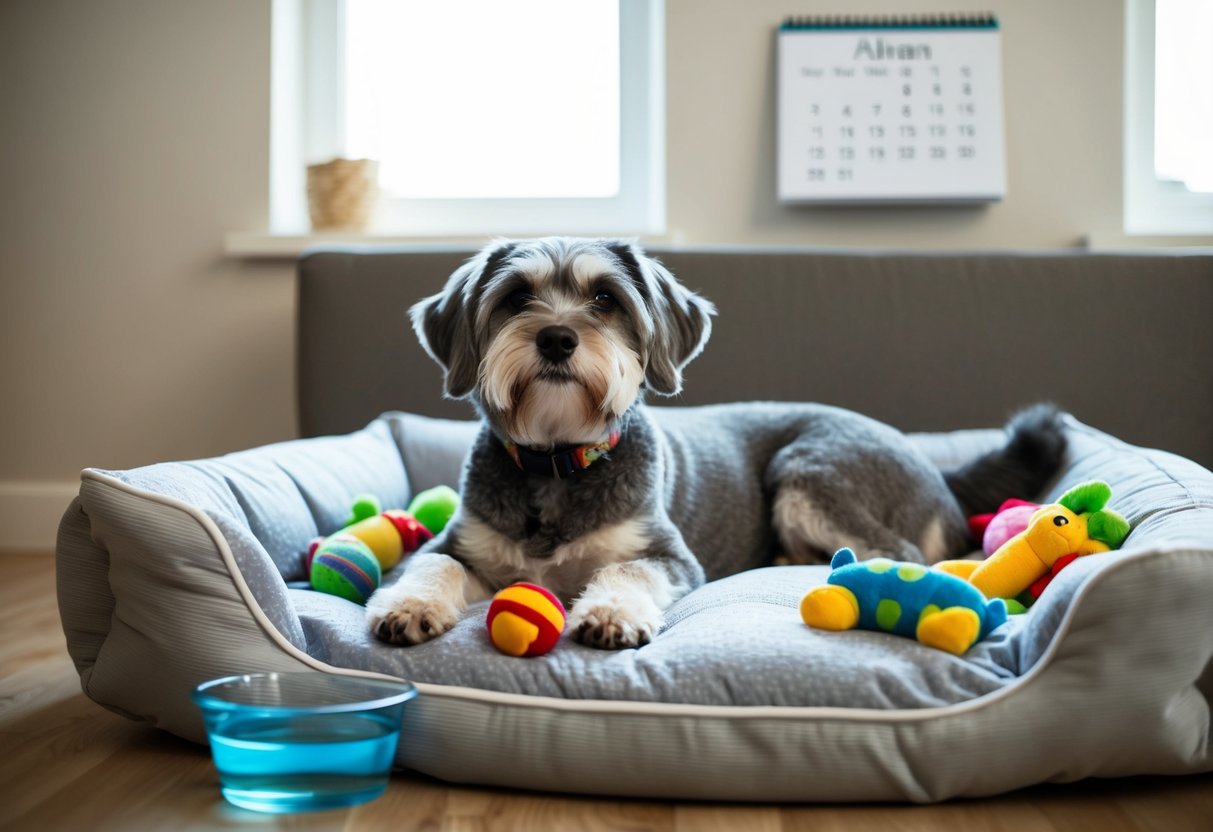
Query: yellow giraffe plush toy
{"type": "Point", "coordinates": [1076, 525]}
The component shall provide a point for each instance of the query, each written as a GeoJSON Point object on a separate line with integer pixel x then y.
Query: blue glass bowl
{"type": "Point", "coordinates": [295, 742]}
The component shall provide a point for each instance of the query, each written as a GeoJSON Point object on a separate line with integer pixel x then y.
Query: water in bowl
{"type": "Point", "coordinates": [304, 762]}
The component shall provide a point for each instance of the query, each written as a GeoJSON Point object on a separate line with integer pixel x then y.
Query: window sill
{"type": "Point", "coordinates": [252, 245]}
{"type": "Point", "coordinates": [267, 245]}
{"type": "Point", "coordinates": [1121, 242]}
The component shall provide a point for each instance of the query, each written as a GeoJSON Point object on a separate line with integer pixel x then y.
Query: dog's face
{"type": "Point", "coordinates": [553, 339]}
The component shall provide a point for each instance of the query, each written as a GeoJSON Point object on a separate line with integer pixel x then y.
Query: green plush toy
{"type": "Point", "coordinates": [434, 507]}
{"type": "Point", "coordinates": [363, 507]}
{"type": "Point", "coordinates": [907, 599]}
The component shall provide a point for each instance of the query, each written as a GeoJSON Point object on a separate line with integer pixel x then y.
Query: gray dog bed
{"type": "Point", "coordinates": [176, 573]}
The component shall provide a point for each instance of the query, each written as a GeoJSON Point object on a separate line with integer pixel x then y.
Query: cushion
{"type": "Point", "coordinates": [175, 573]}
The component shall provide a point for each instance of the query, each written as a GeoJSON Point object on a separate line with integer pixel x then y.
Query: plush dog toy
{"type": "Point", "coordinates": [390, 534]}
{"type": "Point", "coordinates": [338, 564]}
{"type": "Point", "coordinates": [908, 599]}
{"type": "Point", "coordinates": [995, 529]}
{"type": "Point", "coordinates": [1057, 534]}
{"type": "Point", "coordinates": [394, 533]}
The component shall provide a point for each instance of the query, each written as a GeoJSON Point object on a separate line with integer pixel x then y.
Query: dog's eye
{"type": "Point", "coordinates": [518, 299]}
{"type": "Point", "coordinates": [604, 302]}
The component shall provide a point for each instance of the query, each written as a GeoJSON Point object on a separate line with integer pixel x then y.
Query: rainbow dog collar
{"type": "Point", "coordinates": [562, 462]}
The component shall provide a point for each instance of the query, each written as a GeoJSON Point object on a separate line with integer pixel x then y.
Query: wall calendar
{"type": "Point", "coordinates": [902, 109]}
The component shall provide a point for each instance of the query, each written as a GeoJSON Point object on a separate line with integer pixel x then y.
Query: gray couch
{"type": "Point", "coordinates": [921, 341]}
{"type": "Point", "coordinates": [174, 573]}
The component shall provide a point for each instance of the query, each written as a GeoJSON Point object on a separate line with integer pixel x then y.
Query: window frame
{"type": "Point", "coordinates": [306, 127]}
{"type": "Point", "coordinates": [1151, 206]}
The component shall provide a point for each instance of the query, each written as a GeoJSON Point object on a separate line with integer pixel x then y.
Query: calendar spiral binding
{"type": "Point", "coordinates": [958, 20]}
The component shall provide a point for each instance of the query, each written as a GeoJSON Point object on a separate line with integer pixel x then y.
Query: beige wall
{"type": "Point", "coordinates": [135, 134]}
{"type": "Point", "coordinates": [1062, 65]}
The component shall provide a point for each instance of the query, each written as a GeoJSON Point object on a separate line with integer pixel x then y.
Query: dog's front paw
{"type": "Point", "coordinates": [614, 624]}
{"type": "Point", "coordinates": [411, 620]}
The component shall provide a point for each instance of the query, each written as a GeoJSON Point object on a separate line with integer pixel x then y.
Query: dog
{"type": "Point", "coordinates": [574, 484]}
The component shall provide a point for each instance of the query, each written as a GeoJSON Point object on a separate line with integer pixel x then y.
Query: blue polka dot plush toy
{"type": "Point", "coordinates": [908, 599]}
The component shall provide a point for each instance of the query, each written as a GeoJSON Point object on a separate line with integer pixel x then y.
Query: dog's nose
{"type": "Point", "coordinates": [556, 343]}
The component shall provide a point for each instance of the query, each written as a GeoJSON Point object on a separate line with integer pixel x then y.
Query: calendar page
{"type": "Point", "coordinates": [902, 110]}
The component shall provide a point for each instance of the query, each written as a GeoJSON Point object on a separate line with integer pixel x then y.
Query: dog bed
{"type": "Point", "coordinates": [180, 572]}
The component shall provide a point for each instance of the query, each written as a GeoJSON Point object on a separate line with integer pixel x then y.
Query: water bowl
{"type": "Point", "coordinates": [297, 742]}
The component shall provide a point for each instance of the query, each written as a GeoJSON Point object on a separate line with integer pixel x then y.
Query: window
{"type": "Point", "coordinates": [527, 117]}
{"type": "Point", "coordinates": [1168, 117]}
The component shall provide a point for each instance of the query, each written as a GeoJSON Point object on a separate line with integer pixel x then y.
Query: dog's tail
{"type": "Point", "coordinates": [1031, 458]}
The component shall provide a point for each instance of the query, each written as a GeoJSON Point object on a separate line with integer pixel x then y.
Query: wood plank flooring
{"type": "Point", "coordinates": [68, 764]}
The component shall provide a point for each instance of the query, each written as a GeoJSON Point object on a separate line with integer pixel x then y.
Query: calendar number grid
{"type": "Point", "coordinates": [890, 116]}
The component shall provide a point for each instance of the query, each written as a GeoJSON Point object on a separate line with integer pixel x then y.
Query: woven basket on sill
{"type": "Point", "coordinates": [341, 194]}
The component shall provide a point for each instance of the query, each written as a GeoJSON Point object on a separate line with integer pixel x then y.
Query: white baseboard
{"type": "Point", "coordinates": [30, 512]}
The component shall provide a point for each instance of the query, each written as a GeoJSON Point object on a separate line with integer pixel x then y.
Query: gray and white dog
{"type": "Point", "coordinates": [620, 510]}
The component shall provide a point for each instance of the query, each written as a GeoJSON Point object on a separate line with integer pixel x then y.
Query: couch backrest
{"type": "Point", "coordinates": [924, 341]}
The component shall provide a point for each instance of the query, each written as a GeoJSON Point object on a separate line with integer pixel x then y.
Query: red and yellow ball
{"type": "Point", "coordinates": [525, 620]}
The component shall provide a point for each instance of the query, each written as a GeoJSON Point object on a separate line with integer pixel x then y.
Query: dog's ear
{"type": "Point", "coordinates": [681, 332]}
{"type": "Point", "coordinates": [682, 320]}
{"type": "Point", "coordinates": [444, 322]}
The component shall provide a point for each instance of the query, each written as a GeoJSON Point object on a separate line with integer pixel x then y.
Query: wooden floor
{"type": "Point", "coordinates": [67, 764]}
